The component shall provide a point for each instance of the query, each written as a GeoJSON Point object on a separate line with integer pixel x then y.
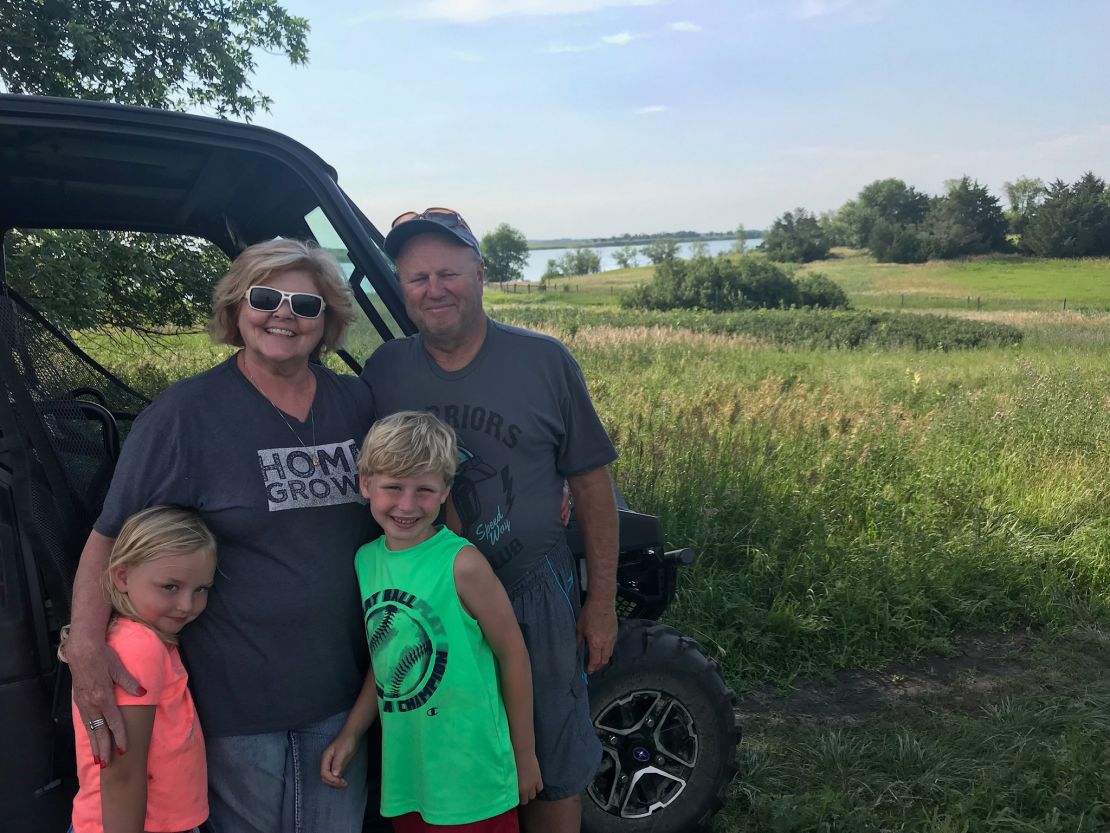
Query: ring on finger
{"type": "Point", "coordinates": [96, 724]}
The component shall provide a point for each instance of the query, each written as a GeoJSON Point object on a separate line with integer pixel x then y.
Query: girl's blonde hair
{"type": "Point", "coordinates": [407, 444]}
{"type": "Point", "coordinates": [151, 534]}
{"type": "Point", "coordinates": [256, 264]}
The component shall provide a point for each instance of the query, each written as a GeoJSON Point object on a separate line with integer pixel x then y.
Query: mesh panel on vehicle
{"type": "Point", "coordinates": [75, 435]}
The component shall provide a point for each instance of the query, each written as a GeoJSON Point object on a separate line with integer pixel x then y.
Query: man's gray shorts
{"type": "Point", "coordinates": [546, 603]}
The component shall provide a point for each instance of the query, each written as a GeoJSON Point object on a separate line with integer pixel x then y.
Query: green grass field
{"type": "Point", "coordinates": [858, 508]}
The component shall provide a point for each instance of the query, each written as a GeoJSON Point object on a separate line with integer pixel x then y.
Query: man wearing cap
{"type": "Point", "coordinates": [525, 422]}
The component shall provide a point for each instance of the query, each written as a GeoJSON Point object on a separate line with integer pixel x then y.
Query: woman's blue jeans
{"type": "Point", "coordinates": [271, 783]}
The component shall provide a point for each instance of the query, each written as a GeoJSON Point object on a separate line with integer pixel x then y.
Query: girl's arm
{"type": "Point", "coordinates": [123, 784]}
{"type": "Point", "coordinates": [343, 748]}
{"type": "Point", "coordinates": [484, 598]}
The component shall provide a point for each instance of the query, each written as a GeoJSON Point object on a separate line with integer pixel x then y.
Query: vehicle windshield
{"type": "Point", "coordinates": [363, 337]}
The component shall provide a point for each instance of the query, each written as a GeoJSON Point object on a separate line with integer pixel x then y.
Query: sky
{"type": "Point", "coordinates": [592, 118]}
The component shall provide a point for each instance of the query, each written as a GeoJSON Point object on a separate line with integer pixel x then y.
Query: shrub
{"type": "Point", "coordinates": [893, 243]}
{"type": "Point", "coordinates": [818, 290]}
{"type": "Point", "coordinates": [715, 284]}
{"type": "Point", "coordinates": [796, 237]}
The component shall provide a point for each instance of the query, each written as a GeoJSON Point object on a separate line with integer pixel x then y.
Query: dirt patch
{"type": "Point", "coordinates": [984, 668]}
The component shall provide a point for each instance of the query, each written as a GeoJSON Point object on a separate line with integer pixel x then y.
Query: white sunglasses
{"type": "Point", "coordinates": [268, 299]}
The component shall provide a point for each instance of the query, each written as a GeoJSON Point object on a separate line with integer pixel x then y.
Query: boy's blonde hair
{"type": "Point", "coordinates": [407, 444]}
{"type": "Point", "coordinates": [151, 534]}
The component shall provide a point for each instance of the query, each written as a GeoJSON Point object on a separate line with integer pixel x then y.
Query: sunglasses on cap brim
{"type": "Point", "coordinates": [438, 215]}
{"type": "Point", "coordinates": [268, 299]}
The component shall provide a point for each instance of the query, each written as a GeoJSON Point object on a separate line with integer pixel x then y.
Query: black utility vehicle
{"type": "Point", "coordinates": [661, 709]}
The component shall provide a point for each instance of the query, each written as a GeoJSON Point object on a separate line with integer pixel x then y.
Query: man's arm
{"type": "Point", "coordinates": [484, 598]}
{"type": "Point", "coordinates": [596, 511]}
{"type": "Point", "coordinates": [92, 663]}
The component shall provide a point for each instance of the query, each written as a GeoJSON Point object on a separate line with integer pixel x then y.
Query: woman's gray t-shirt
{"type": "Point", "coordinates": [281, 643]}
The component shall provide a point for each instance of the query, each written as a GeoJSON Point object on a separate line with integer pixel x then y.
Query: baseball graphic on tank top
{"type": "Point", "coordinates": [407, 648]}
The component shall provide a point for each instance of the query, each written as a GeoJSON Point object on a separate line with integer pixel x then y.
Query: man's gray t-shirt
{"type": "Point", "coordinates": [525, 422]}
{"type": "Point", "coordinates": [281, 643]}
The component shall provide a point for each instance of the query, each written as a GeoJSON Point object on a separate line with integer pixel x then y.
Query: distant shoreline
{"type": "Point", "coordinates": [539, 245]}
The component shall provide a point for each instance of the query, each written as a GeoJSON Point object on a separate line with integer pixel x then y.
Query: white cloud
{"type": "Point", "coordinates": [620, 39]}
{"type": "Point", "coordinates": [857, 11]}
{"type": "Point", "coordinates": [683, 26]}
{"type": "Point", "coordinates": [474, 11]}
{"type": "Point", "coordinates": [567, 48]}
{"type": "Point", "coordinates": [650, 109]}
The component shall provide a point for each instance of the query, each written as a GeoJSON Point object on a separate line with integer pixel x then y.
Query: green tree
{"type": "Point", "coordinates": [1024, 195]}
{"type": "Point", "coordinates": [661, 250]}
{"type": "Point", "coordinates": [741, 242]}
{"type": "Point", "coordinates": [967, 220]}
{"type": "Point", "coordinates": [796, 237]}
{"type": "Point", "coordinates": [626, 257]}
{"type": "Point", "coordinates": [172, 54]}
{"type": "Point", "coordinates": [837, 227]}
{"type": "Point", "coordinates": [580, 262]}
{"type": "Point", "coordinates": [88, 279]}
{"type": "Point", "coordinates": [890, 200]}
{"type": "Point", "coordinates": [890, 242]}
{"type": "Point", "coordinates": [505, 250]}
{"type": "Point", "coordinates": [1073, 220]}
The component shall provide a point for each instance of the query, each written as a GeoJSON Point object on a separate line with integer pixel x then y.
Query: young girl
{"type": "Point", "coordinates": [158, 577]}
{"type": "Point", "coordinates": [449, 675]}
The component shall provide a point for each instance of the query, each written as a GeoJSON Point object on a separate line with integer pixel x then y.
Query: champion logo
{"type": "Point", "coordinates": [433, 711]}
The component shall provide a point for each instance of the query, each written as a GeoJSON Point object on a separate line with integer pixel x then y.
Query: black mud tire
{"type": "Point", "coordinates": [658, 671]}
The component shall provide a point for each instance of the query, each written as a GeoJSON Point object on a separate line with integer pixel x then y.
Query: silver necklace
{"type": "Point", "coordinates": [311, 418]}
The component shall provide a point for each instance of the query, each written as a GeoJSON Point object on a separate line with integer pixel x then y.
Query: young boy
{"type": "Point", "coordinates": [455, 755]}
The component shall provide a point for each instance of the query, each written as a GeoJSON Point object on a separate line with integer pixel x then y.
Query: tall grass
{"type": "Point", "coordinates": [849, 509]}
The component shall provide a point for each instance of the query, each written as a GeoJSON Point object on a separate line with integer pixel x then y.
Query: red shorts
{"type": "Point", "coordinates": [413, 823]}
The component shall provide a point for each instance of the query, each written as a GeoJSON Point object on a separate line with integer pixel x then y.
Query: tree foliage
{"type": "Point", "coordinates": [734, 283]}
{"type": "Point", "coordinates": [1024, 195]}
{"type": "Point", "coordinates": [741, 242]}
{"type": "Point", "coordinates": [796, 237]}
{"type": "Point", "coordinates": [1073, 220]}
{"type": "Point", "coordinates": [105, 279]}
{"type": "Point", "coordinates": [890, 200]}
{"type": "Point", "coordinates": [662, 250]}
{"type": "Point", "coordinates": [578, 262]}
{"type": "Point", "coordinates": [505, 250]}
{"type": "Point", "coordinates": [172, 54]}
{"type": "Point", "coordinates": [967, 220]}
{"type": "Point", "coordinates": [626, 257]}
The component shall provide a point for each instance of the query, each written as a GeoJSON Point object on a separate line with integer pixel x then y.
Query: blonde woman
{"type": "Point", "coordinates": [263, 446]}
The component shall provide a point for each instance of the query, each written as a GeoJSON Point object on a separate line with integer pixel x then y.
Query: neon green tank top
{"type": "Point", "coordinates": [446, 752]}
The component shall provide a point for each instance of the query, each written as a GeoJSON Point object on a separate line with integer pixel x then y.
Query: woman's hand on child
{"type": "Point", "coordinates": [529, 782]}
{"type": "Point", "coordinates": [95, 667]}
{"type": "Point", "coordinates": [335, 760]}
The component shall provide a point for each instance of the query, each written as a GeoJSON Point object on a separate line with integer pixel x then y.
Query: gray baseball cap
{"type": "Point", "coordinates": [438, 220]}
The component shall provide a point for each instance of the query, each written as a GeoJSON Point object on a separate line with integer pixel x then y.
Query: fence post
{"type": "Point", "coordinates": [1065, 303]}
{"type": "Point", "coordinates": [978, 301]}
{"type": "Point", "coordinates": [903, 301]}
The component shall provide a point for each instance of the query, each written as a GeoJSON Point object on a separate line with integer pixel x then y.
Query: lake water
{"type": "Point", "coordinates": [537, 260]}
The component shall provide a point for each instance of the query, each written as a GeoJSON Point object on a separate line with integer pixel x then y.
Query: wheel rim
{"type": "Point", "coordinates": [650, 748]}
